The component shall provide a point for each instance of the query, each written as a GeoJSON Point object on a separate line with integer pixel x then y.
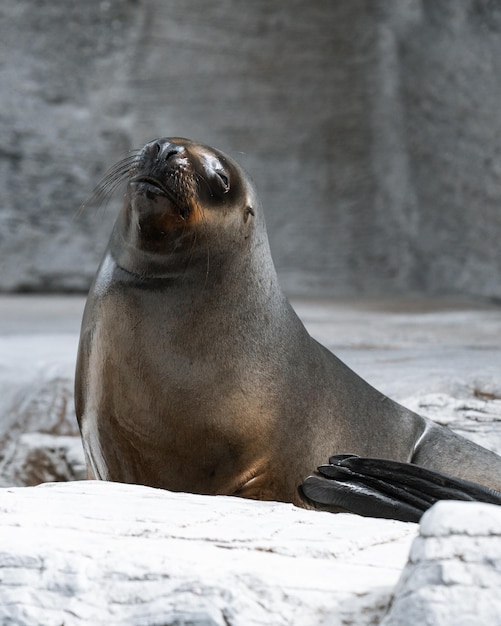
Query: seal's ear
{"type": "Point", "coordinates": [248, 212]}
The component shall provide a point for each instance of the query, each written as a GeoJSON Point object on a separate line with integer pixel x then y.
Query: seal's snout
{"type": "Point", "coordinates": [183, 183]}
{"type": "Point", "coordinates": [162, 188]}
{"type": "Point", "coordinates": [162, 150]}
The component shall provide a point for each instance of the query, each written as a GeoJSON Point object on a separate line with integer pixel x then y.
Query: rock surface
{"type": "Point", "coordinates": [453, 575]}
{"type": "Point", "coordinates": [103, 553]}
{"type": "Point", "coordinates": [38, 430]}
{"type": "Point", "coordinates": [63, 120]}
{"type": "Point", "coordinates": [38, 458]}
{"type": "Point", "coordinates": [372, 129]}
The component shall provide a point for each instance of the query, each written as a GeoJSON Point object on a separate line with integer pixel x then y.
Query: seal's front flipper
{"type": "Point", "coordinates": [384, 488]}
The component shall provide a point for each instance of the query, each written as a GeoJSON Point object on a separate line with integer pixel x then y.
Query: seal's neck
{"type": "Point", "coordinates": [198, 260]}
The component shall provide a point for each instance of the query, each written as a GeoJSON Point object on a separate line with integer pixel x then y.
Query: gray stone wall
{"type": "Point", "coordinates": [372, 129]}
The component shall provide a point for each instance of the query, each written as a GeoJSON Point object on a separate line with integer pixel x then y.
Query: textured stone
{"type": "Point", "coordinates": [36, 398]}
{"type": "Point", "coordinates": [37, 458]}
{"type": "Point", "coordinates": [372, 129]}
{"type": "Point", "coordinates": [454, 570]}
{"type": "Point", "coordinates": [63, 121]}
{"type": "Point", "coordinates": [103, 553]}
{"type": "Point", "coordinates": [450, 90]}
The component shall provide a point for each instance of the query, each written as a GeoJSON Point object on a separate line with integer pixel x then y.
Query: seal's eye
{"type": "Point", "coordinates": [224, 180]}
{"type": "Point", "coordinates": [216, 175]}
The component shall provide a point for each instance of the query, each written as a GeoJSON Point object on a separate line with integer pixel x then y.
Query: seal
{"type": "Point", "coordinates": [195, 374]}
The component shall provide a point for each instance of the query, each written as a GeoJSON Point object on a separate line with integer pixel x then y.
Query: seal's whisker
{"type": "Point", "coordinates": [203, 179]}
{"type": "Point", "coordinates": [103, 193]}
{"type": "Point", "coordinates": [112, 179]}
{"type": "Point", "coordinates": [119, 168]}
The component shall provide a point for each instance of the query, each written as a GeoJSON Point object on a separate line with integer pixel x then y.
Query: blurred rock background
{"type": "Point", "coordinates": [372, 129]}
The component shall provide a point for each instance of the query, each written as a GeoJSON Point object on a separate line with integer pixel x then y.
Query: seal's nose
{"type": "Point", "coordinates": [162, 150]}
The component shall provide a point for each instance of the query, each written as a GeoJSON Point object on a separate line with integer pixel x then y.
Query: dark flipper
{"type": "Point", "coordinates": [389, 489]}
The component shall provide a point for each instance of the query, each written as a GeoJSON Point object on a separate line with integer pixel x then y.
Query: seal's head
{"type": "Point", "coordinates": [182, 197]}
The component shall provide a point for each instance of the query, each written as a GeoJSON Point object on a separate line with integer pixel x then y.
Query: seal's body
{"type": "Point", "coordinates": [195, 374]}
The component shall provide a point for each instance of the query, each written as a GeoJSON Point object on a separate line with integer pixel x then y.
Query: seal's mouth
{"type": "Point", "coordinates": [148, 183]}
{"type": "Point", "coordinates": [151, 188]}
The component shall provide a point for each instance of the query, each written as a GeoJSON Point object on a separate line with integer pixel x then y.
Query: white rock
{"type": "Point", "coordinates": [474, 411]}
{"type": "Point", "coordinates": [37, 458]}
{"type": "Point", "coordinates": [103, 553]}
{"type": "Point", "coordinates": [36, 384]}
{"type": "Point", "coordinates": [36, 396]}
{"type": "Point", "coordinates": [453, 576]}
